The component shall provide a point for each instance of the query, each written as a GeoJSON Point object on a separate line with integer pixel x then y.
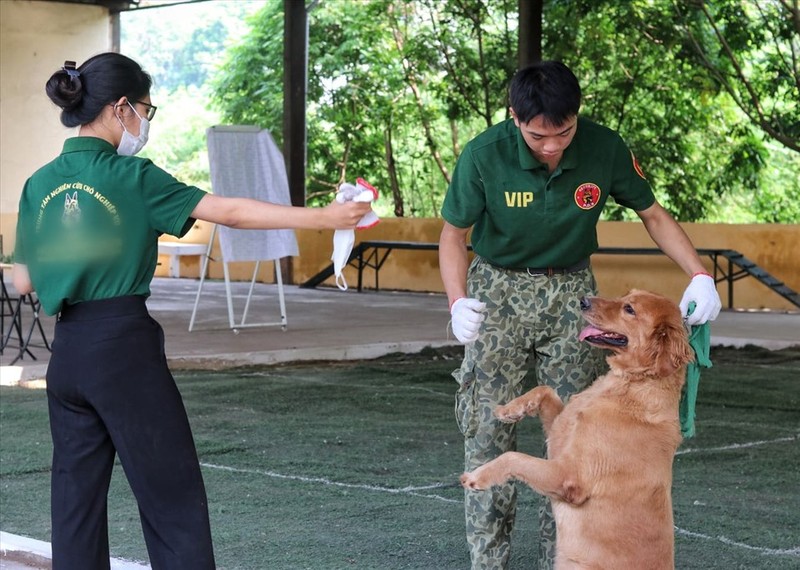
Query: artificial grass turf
{"type": "Point", "coordinates": [355, 465]}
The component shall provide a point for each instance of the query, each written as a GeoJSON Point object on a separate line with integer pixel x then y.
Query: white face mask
{"type": "Point", "coordinates": [343, 241]}
{"type": "Point", "coordinates": [129, 145]}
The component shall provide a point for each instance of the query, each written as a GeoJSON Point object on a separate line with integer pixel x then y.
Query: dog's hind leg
{"type": "Point", "coordinates": [542, 401]}
{"type": "Point", "coordinates": [544, 476]}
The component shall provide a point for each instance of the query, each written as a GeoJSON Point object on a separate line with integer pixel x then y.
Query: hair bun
{"type": "Point", "coordinates": [84, 92]}
{"type": "Point", "coordinates": [65, 88]}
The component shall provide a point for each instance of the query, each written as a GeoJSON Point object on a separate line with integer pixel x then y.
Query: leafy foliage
{"type": "Point", "coordinates": [381, 102]}
{"type": "Point", "coordinates": [699, 152]}
{"type": "Point", "coordinates": [179, 142]}
{"type": "Point", "coordinates": [750, 49]}
{"type": "Point", "coordinates": [181, 46]}
{"type": "Point", "coordinates": [704, 93]}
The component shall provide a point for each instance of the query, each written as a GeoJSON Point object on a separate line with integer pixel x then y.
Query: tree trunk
{"type": "Point", "coordinates": [411, 81]}
{"type": "Point", "coordinates": [454, 138]}
{"type": "Point", "coordinates": [397, 196]}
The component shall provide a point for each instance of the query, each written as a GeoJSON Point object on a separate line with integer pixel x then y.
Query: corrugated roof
{"type": "Point", "coordinates": [126, 5]}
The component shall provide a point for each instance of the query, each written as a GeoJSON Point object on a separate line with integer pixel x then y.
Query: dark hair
{"type": "Point", "coordinates": [101, 80]}
{"type": "Point", "coordinates": [547, 88]}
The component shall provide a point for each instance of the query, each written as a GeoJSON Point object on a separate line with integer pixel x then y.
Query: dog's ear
{"type": "Point", "coordinates": [670, 348]}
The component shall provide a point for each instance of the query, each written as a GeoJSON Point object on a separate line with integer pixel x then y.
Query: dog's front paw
{"type": "Point", "coordinates": [473, 481]}
{"type": "Point", "coordinates": [512, 412]}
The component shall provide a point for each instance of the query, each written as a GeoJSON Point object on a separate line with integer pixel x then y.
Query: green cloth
{"type": "Point", "coordinates": [700, 341]}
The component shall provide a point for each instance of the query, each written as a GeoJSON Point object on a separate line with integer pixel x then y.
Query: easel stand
{"type": "Point", "coordinates": [231, 320]}
{"type": "Point", "coordinates": [245, 162]}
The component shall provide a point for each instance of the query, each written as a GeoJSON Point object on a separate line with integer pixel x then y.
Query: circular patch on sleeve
{"type": "Point", "coordinates": [587, 196]}
{"type": "Point", "coordinates": [636, 166]}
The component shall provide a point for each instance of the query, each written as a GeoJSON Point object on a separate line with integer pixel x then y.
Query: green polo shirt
{"type": "Point", "coordinates": [524, 216]}
{"type": "Point", "coordinates": [89, 223]}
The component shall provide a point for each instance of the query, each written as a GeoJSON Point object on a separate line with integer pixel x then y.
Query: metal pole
{"type": "Point", "coordinates": [295, 66]}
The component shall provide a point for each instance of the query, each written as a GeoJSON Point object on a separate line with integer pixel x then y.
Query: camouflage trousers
{"type": "Point", "coordinates": [532, 323]}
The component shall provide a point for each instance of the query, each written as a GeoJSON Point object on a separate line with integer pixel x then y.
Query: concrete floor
{"type": "Point", "coordinates": [322, 324]}
{"type": "Point", "coordinates": [328, 324]}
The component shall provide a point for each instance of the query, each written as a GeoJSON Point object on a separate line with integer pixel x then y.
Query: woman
{"type": "Point", "coordinates": [87, 236]}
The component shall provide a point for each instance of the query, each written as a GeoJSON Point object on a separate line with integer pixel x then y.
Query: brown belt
{"type": "Point", "coordinates": [549, 271]}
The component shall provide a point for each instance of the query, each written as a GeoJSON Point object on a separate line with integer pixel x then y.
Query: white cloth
{"type": "Point", "coordinates": [466, 317]}
{"type": "Point", "coordinates": [245, 162]}
{"type": "Point", "coordinates": [343, 240]}
{"type": "Point", "coordinates": [703, 291]}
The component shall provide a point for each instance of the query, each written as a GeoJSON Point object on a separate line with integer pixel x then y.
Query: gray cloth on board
{"type": "Point", "coordinates": [245, 162]}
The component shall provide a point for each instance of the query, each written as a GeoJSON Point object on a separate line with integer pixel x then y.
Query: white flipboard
{"type": "Point", "coordinates": [245, 162]}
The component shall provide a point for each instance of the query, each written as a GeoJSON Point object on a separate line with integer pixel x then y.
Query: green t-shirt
{"type": "Point", "coordinates": [524, 216]}
{"type": "Point", "coordinates": [89, 223]}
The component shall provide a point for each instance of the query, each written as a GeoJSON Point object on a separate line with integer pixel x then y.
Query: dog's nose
{"type": "Point", "coordinates": [586, 303]}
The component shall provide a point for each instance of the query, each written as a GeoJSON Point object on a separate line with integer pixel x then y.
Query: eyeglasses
{"type": "Point", "coordinates": [151, 109]}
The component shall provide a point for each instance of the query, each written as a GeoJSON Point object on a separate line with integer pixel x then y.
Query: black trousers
{"type": "Point", "coordinates": [110, 392]}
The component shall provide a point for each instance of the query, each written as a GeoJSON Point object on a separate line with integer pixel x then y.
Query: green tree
{"type": "Point", "coordinates": [698, 150]}
{"type": "Point", "coordinates": [181, 47]}
{"type": "Point", "coordinates": [178, 136]}
{"type": "Point", "coordinates": [380, 97]}
{"type": "Point", "coordinates": [395, 89]}
{"type": "Point", "coordinates": [751, 50]}
{"type": "Point", "coordinates": [248, 86]}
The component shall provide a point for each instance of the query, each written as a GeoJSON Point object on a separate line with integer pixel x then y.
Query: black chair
{"type": "Point", "coordinates": [19, 319]}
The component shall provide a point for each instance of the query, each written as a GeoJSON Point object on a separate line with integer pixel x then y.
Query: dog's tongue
{"type": "Point", "coordinates": [590, 331]}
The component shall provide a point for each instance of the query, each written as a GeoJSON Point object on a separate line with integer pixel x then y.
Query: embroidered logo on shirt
{"type": "Point", "coordinates": [587, 196]}
{"type": "Point", "coordinates": [72, 212]}
{"type": "Point", "coordinates": [518, 199]}
{"type": "Point", "coordinates": [636, 166]}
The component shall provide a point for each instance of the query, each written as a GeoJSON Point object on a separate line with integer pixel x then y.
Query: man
{"type": "Point", "coordinates": [532, 189]}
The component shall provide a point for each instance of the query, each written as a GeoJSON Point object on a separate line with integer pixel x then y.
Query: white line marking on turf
{"type": "Point", "coordinates": [404, 491]}
{"type": "Point", "coordinates": [738, 424]}
{"type": "Point", "coordinates": [795, 551]}
{"type": "Point", "coordinates": [736, 445]}
{"type": "Point", "coordinates": [413, 491]}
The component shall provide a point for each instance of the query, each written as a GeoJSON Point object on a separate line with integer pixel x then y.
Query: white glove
{"type": "Point", "coordinates": [467, 316]}
{"type": "Point", "coordinates": [703, 291]}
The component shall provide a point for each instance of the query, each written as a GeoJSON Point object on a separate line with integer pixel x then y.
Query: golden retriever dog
{"type": "Point", "coordinates": [610, 448]}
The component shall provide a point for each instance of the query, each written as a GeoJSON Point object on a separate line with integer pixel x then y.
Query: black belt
{"type": "Point", "coordinates": [549, 271]}
{"type": "Point", "coordinates": [128, 305]}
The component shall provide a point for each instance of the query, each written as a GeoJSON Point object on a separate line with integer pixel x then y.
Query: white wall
{"type": "Point", "coordinates": [35, 40]}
